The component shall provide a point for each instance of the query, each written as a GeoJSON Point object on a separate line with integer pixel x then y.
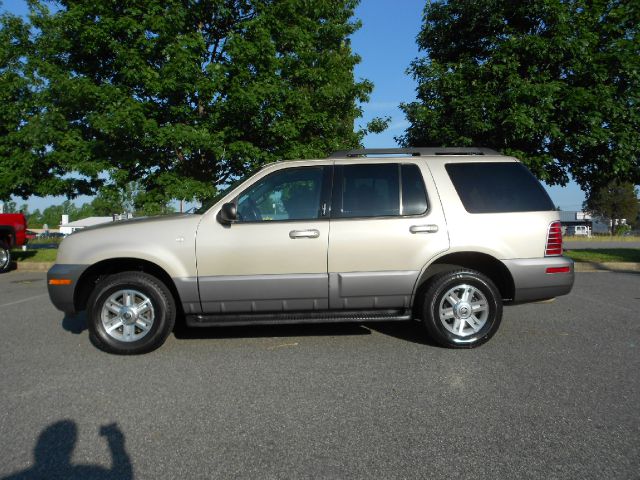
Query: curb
{"type": "Point", "coordinates": [607, 267]}
{"type": "Point", "coordinates": [33, 266]}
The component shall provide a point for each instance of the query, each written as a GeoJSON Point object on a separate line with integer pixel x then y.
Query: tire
{"type": "Point", "coordinates": [5, 257]}
{"type": "Point", "coordinates": [450, 318]}
{"type": "Point", "coordinates": [130, 313]}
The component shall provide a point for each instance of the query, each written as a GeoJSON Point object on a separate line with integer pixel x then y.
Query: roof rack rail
{"type": "Point", "coordinates": [416, 152]}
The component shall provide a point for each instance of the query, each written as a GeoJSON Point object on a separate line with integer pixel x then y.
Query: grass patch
{"type": "Point", "coordinates": [46, 241]}
{"type": "Point", "coordinates": [600, 255]}
{"type": "Point", "coordinates": [43, 255]}
{"type": "Point", "coordinates": [601, 238]}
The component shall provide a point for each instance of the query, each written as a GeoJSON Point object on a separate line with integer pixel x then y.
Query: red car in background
{"type": "Point", "coordinates": [13, 233]}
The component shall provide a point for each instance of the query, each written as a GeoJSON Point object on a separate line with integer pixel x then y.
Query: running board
{"type": "Point", "coordinates": [342, 316]}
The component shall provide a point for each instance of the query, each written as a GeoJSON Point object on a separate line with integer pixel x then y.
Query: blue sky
{"type": "Point", "coordinates": [386, 43]}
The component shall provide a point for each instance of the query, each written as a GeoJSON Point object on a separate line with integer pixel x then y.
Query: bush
{"type": "Point", "coordinates": [623, 230]}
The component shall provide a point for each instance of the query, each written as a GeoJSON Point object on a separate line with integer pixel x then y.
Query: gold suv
{"type": "Point", "coordinates": [443, 236]}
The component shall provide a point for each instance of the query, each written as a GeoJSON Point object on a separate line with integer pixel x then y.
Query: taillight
{"type": "Point", "coordinates": [558, 270]}
{"type": "Point", "coordinates": [554, 240]}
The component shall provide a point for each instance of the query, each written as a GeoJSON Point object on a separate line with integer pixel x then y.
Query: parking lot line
{"type": "Point", "coordinates": [23, 300]}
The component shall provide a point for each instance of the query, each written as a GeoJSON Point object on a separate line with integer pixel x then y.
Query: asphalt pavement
{"type": "Point", "coordinates": [555, 394]}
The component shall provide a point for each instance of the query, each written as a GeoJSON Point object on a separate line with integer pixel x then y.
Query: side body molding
{"type": "Point", "coordinates": [371, 290]}
{"type": "Point", "coordinates": [187, 288]}
{"type": "Point", "coordinates": [264, 293]}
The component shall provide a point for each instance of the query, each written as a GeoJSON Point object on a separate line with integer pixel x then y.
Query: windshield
{"type": "Point", "coordinates": [210, 202]}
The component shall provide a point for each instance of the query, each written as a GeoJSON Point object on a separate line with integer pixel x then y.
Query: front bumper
{"type": "Point", "coordinates": [61, 294]}
{"type": "Point", "coordinates": [532, 282]}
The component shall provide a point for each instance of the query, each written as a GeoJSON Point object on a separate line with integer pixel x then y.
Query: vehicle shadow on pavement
{"type": "Point", "coordinates": [181, 332]}
{"type": "Point", "coordinates": [408, 331]}
{"type": "Point", "coordinates": [75, 323]}
{"type": "Point", "coordinates": [54, 450]}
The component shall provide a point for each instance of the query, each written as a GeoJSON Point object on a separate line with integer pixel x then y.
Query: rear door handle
{"type": "Point", "coordinates": [423, 228]}
{"type": "Point", "coordinates": [313, 233]}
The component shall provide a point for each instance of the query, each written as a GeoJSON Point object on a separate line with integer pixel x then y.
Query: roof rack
{"type": "Point", "coordinates": [415, 152]}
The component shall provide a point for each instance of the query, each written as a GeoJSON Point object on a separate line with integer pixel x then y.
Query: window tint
{"type": "Point", "coordinates": [498, 187]}
{"type": "Point", "coordinates": [414, 196]}
{"type": "Point", "coordinates": [289, 194]}
{"type": "Point", "coordinates": [373, 190]}
{"type": "Point", "coordinates": [367, 190]}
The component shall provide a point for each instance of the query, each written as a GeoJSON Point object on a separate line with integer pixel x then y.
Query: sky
{"type": "Point", "coordinates": [386, 44]}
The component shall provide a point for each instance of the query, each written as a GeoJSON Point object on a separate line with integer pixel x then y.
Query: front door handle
{"type": "Point", "coordinates": [423, 228]}
{"type": "Point", "coordinates": [313, 233]}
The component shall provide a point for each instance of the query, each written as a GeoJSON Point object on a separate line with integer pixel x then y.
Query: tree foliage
{"type": "Point", "coordinates": [553, 82]}
{"type": "Point", "coordinates": [175, 95]}
{"type": "Point", "coordinates": [17, 165]}
{"type": "Point", "coordinates": [11, 207]}
{"type": "Point", "coordinates": [106, 203]}
{"type": "Point", "coordinates": [614, 202]}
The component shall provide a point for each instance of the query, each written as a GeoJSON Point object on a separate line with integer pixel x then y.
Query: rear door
{"type": "Point", "coordinates": [386, 223]}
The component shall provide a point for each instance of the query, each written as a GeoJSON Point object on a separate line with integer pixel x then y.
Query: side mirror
{"type": "Point", "coordinates": [228, 214]}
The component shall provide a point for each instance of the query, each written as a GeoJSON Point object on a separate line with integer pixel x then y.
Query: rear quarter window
{"type": "Point", "coordinates": [498, 187]}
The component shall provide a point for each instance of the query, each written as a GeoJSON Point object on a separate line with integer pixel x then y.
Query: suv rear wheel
{"type": "Point", "coordinates": [462, 309]}
{"type": "Point", "coordinates": [5, 257]}
{"type": "Point", "coordinates": [130, 313]}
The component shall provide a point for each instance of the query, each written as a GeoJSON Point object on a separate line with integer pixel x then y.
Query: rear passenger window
{"type": "Point", "coordinates": [378, 190]}
{"type": "Point", "coordinates": [414, 195]}
{"type": "Point", "coordinates": [498, 187]}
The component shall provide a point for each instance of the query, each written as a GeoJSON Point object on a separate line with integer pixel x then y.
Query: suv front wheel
{"type": "Point", "coordinates": [130, 313]}
{"type": "Point", "coordinates": [462, 309]}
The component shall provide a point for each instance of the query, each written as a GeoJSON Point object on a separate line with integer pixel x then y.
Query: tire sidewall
{"type": "Point", "coordinates": [432, 309]}
{"type": "Point", "coordinates": [164, 313]}
{"type": "Point", "coordinates": [4, 267]}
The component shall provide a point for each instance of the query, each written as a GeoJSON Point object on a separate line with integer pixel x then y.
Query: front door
{"type": "Point", "coordinates": [386, 223]}
{"type": "Point", "coordinates": [274, 258]}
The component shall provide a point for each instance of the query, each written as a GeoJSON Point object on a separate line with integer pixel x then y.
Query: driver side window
{"type": "Point", "coordinates": [288, 194]}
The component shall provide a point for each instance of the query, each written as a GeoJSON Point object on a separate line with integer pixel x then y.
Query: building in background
{"type": "Point", "coordinates": [576, 223]}
{"type": "Point", "coordinates": [583, 224]}
{"type": "Point", "coordinates": [67, 227]}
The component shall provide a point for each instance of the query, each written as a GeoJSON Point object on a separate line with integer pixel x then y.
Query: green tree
{"type": "Point", "coordinates": [34, 219]}
{"type": "Point", "coordinates": [10, 207]}
{"type": "Point", "coordinates": [52, 215]}
{"type": "Point", "coordinates": [614, 202]}
{"type": "Point", "coordinates": [15, 97]}
{"type": "Point", "coordinates": [554, 82]}
{"type": "Point", "coordinates": [176, 96]}
{"type": "Point", "coordinates": [86, 210]}
{"type": "Point", "coordinates": [111, 200]}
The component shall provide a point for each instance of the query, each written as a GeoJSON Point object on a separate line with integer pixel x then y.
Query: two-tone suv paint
{"type": "Point", "coordinates": [441, 236]}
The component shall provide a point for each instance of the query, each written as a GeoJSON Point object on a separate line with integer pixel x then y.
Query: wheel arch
{"type": "Point", "coordinates": [480, 262]}
{"type": "Point", "coordinates": [7, 235]}
{"type": "Point", "coordinates": [90, 277]}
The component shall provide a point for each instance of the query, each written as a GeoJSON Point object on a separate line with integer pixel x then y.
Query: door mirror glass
{"type": "Point", "coordinates": [228, 214]}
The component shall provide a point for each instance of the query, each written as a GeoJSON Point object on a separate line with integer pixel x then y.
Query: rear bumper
{"type": "Point", "coordinates": [62, 295]}
{"type": "Point", "coordinates": [532, 282]}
